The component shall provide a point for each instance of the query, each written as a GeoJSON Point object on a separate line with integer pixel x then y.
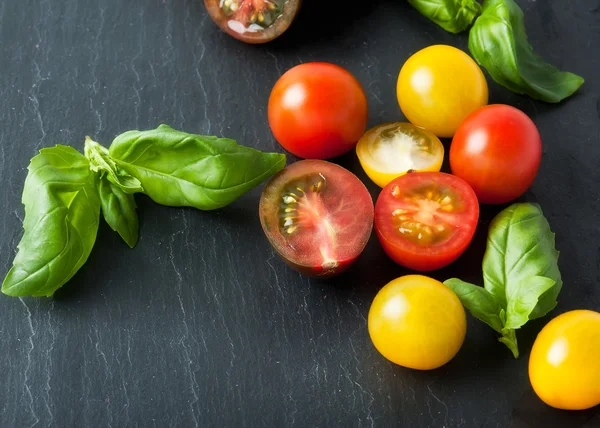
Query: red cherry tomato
{"type": "Point", "coordinates": [497, 150]}
{"type": "Point", "coordinates": [318, 111]}
{"type": "Point", "coordinates": [426, 220]}
{"type": "Point", "coordinates": [318, 216]}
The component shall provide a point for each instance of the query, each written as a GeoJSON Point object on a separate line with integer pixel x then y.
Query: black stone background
{"type": "Point", "coordinates": [201, 324]}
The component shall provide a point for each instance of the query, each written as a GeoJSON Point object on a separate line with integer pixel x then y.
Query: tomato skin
{"type": "Point", "coordinates": [318, 111]}
{"type": "Point", "coordinates": [438, 87]}
{"type": "Point", "coordinates": [226, 24]}
{"type": "Point", "coordinates": [417, 322]}
{"type": "Point", "coordinates": [564, 366]}
{"type": "Point", "coordinates": [497, 150]}
{"type": "Point", "coordinates": [426, 258]}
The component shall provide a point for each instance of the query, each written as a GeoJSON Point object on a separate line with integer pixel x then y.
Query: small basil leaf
{"type": "Point", "coordinates": [524, 298]}
{"type": "Point", "coordinates": [119, 212]}
{"type": "Point", "coordinates": [100, 161]}
{"type": "Point", "coordinates": [520, 247]}
{"type": "Point", "coordinates": [454, 16]}
{"type": "Point", "coordinates": [478, 301]}
{"type": "Point", "coordinates": [62, 211]}
{"type": "Point", "coordinates": [498, 42]}
{"type": "Point", "coordinates": [180, 169]}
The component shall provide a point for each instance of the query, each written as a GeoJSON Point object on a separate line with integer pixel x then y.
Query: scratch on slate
{"type": "Point", "coordinates": [439, 401]}
{"type": "Point", "coordinates": [28, 365]}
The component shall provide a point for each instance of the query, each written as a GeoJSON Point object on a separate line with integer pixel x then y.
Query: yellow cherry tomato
{"type": "Point", "coordinates": [564, 366]}
{"type": "Point", "coordinates": [417, 322]}
{"type": "Point", "coordinates": [438, 87]}
{"type": "Point", "coordinates": [390, 150]}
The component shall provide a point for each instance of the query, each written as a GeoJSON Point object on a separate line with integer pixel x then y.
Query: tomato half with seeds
{"type": "Point", "coordinates": [392, 149]}
{"type": "Point", "coordinates": [318, 217]}
{"type": "Point", "coordinates": [426, 220]}
{"type": "Point", "coordinates": [253, 21]}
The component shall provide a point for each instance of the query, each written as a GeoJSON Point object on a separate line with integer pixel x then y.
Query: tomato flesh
{"type": "Point", "coordinates": [392, 149]}
{"type": "Point", "coordinates": [317, 110]}
{"type": "Point", "coordinates": [253, 21]}
{"type": "Point", "coordinates": [318, 216]}
{"type": "Point", "coordinates": [425, 220]}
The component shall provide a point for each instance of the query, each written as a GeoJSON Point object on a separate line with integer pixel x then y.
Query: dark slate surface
{"type": "Point", "coordinates": [201, 324]}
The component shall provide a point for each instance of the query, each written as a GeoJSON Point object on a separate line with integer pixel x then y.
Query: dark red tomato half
{"type": "Point", "coordinates": [426, 220]}
{"type": "Point", "coordinates": [317, 216]}
{"type": "Point", "coordinates": [253, 21]}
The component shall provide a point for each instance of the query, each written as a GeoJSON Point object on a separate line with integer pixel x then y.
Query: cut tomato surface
{"type": "Point", "coordinates": [392, 149]}
{"type": "Point", "coordinates": [426, 220]}
{"type": "Point", "coordinates": [318, 216]}
{"type": "Point", "coordinates": [253, 21]}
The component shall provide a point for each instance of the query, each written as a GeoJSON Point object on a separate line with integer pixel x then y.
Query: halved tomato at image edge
{"type": "Point", "coordinates": [317, 216]}
{"type": "Point", "coordinates": [253, 21]}
{"type": "Point", "coordinates": [426, 220]}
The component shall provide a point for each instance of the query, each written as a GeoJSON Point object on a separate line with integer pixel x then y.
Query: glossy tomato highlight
{"type": "Point", "coordinates": [317, 216]}
{"type": "Point", "coordinates": [318, 111]}
{"type": "Point", "coordinates": [426, 220]}
{"type": "Point", "coordinates": [497, 150]}
{"type": "Point", "coordinates": [253, 21]}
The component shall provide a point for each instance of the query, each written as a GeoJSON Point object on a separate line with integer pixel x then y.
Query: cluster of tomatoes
{"type": "Point", "coordinates": [319, 216]}
{"type": "Point", "coordinates": [423, 218]}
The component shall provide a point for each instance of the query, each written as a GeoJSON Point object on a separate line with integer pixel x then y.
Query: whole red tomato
{"type": "Point", "coordinates": [497, 150]}
{"type": "Point", "coordinates": [318, 111]}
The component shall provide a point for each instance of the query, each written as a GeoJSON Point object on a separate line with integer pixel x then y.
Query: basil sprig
{"type": "Point", "coordinates": [520, 273]}
{"type": "Point", "coordinates": [498, 42]}
{"type": "Point", "coordinates": [65, 191]}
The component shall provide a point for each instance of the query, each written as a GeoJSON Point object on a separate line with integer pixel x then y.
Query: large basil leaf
{"type": "Point", "coordinates": [454, 16]}
{"type": "Point", "coordinates": [520, 247]}
{"type": "Point", "coordinates": [520, 273]}
{"type": "Point", "coordinates": [119, 212]}
{"type": "Point", "coordinates": [62, 211]}
{"type": "Point", "coordinates": [180, 169]}
{"type": "Point", "coordinates": [101, 162]}
{"type": "Point", "coordinates": [498, 42]}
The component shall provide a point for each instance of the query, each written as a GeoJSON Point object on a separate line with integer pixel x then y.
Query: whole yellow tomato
{"type": "Point", "coordinates": [438, 87]}
{"type": "Point", "coordinates": [564, 366]}
{"type": "Point", "coordinates": [417, 322]}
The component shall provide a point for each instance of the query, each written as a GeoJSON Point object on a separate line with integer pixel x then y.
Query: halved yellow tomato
{"type": "Point", "coordinates": [392, 149]}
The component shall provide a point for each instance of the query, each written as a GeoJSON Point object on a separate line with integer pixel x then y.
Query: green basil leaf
{"type": "Point", "coordinates": [62, 211]}
{"type": "Point", "coordinates": [524, 298]}
{"type": "Point", "coordinates": [509, 338]}
{"type": "Point", "coordinates": [454, 16]}
{"type": "Point", "coordinates": [180, 169]}
{"type": "Point", "coordinates": [498, 42]}
{"type": "Point", "coordinates": [478, 301]}
{"type": "Point", "coordinates": [100, 161]}
{"type": "Point", "coordinates": [520, 247]}
{"type": "Point", "coordinates": [119, 212]}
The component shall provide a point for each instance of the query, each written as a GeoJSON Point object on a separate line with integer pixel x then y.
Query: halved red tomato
{"type": "Point", "coordinates": [426, 220]}
{"type": "Point", "coordinates": [253, 21]}
{"type": "Point", "coordinates": [318, 216]}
